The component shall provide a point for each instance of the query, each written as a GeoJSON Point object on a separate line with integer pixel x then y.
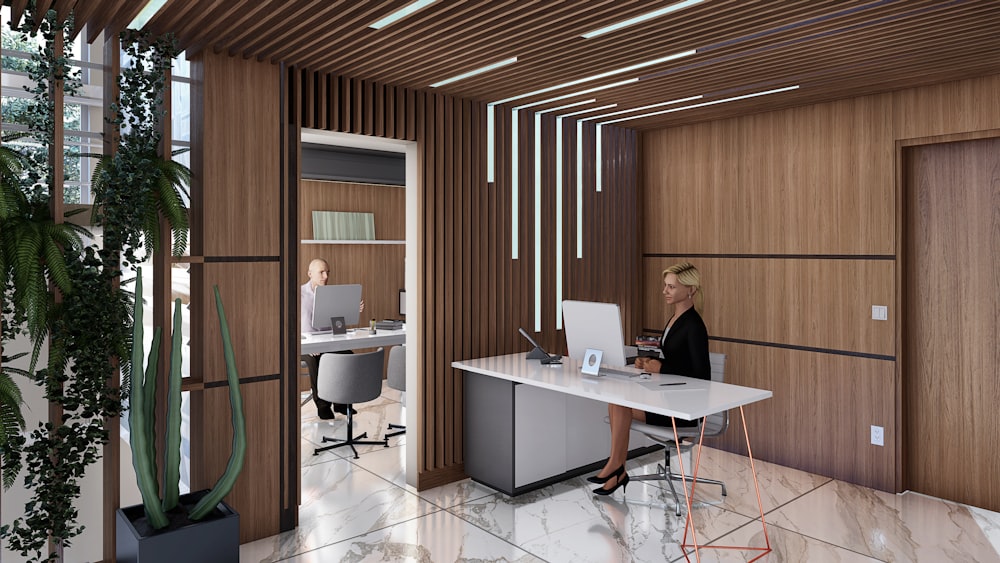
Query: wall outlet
{"type": "Point", "coordinates": [880, 313]}
{"type": "Point", "coordinates": [878, 436]}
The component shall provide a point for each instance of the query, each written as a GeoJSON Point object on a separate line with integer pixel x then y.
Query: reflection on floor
{"type": "Point", "coordinates": [362, 510]}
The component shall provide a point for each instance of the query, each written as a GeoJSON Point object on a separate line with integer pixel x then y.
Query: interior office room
{"type": "Point", "coordinates": [829, 167]}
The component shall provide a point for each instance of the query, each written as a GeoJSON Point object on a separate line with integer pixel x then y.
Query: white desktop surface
{"type": "Point", "coordinates": [318, 343]}
{"type": "Point", "coordinates": [695, 399]}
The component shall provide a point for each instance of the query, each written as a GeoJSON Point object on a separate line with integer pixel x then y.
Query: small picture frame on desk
{"type": "Point", "coordinates": [591, 361]}
{"type": "Point", "coordinates": [337, 325]}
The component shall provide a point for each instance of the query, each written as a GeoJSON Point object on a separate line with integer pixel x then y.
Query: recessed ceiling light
{"type": "Point", "coordinates": [401, 13]}
{"type": "Point", "coordinates": [641, 18]}
{"type": "Point", "coordinates": [703, 104]}
{"type": "Point", "coordinates": [465, 75]}
{"type": "Point", "coordinates": [599, 76]}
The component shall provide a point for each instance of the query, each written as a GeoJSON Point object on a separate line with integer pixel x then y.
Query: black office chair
{"type": "Point", "coordinates": [348, 379]}
{"type": "Point", "coordinates": [396, 379]}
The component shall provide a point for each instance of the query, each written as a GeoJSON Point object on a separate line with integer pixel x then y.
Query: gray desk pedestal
{"type": "Point", "coordinates": [519, 438]}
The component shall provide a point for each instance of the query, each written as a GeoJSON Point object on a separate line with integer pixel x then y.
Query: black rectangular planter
{"type": "Point", "coordinates": [209, 541]}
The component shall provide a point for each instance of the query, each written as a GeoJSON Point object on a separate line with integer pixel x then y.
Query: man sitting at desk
{"type": "Point", "coordinates": [318, 273]}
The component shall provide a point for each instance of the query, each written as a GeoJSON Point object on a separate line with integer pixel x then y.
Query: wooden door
{"type": "Point", "coordinates": [951, 321]}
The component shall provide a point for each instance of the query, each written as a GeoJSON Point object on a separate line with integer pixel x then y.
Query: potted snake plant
{"type": "Point", "coordinates": [196, 527]}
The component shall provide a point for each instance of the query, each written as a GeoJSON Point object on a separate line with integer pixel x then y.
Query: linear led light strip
{"type": "Point", "coordinates": [538, 207]}
{"type": "Point", "coordinates": [641, 18]}
{"type": "Point", "coordinates": [401, 13]}
{"type": "Point", "coordinates": [490, 115]}
{"type": "Point", "coordinates": [515, 196]}
{"type": "Point", "coordinates": [703, 104]}
{"type": "Point", "coordinates": [598, 132]}
{"type": "Point", "coordinates": [579, 198]}
{"type": "Point", "coordinates": [480, 70]}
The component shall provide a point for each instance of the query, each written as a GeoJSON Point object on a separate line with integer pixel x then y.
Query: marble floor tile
{"type": "Point", "coordinates": [340, 501]}
{"type": "Point", "coordinates": [786, 546]}
{"type": "Point", "coordinates": [372, 418]}
{"type": "Point", "coordinates": [389, 465]}
{"type": "Point", "coordinates": [989, 523]}
{"type": "Point", "coordinates": [438, 537]}
{"type": "Point", "coordinates": [778, 484]}
{"type": "Point", "coordinates": [567, 522]}
{"type": "Point", "coordinates": [906, 527]}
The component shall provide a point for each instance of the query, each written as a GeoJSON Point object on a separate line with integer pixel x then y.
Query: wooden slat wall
{"type": "Point", "coordinates": [238, 219]}
{"type": "Point", "coordinates": [472, 295]}
{"type": "Point", "coordinates": [791, 216]}
{"type": "Point", "coordinates": [378, 268]}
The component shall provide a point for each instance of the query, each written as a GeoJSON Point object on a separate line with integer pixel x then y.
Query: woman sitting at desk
{"type": "Point", "coordinates": [684, 345]}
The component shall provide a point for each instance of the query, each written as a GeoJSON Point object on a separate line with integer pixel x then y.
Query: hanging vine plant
{"type": "Point", "coordinates": [137, 186]}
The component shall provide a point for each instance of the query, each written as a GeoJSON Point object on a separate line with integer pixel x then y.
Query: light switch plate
{"type": "Point", "coordinates": [880, 313]}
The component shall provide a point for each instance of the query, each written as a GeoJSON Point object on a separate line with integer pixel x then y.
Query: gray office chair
{"type": "Point", "coordinates": [396, 379]}
{"type": "Point", "coordinates": [715, 425]}
{"type": "Point", "coordinates": [348, 379]}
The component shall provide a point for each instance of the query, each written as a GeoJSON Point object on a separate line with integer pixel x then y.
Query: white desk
{"type": "Point", "coordinates": [359, 338]}
{"type": "Point", "coordinates": [491, 413]}
{"type": "Point", "coordinates": [695, 399]}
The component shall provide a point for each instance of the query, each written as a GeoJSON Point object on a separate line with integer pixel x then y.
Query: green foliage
{"type": "Point", "coordinates": [142, 424]}
{"type": "Point", "coordinates": [89, 330]}
{"type": "Point", "coordinates": [137, 186]}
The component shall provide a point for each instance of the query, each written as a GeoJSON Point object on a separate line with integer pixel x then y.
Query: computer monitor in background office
{"type": "Point", "coordinates": [594, 325]}
{"type": "Point", "coordinates": [336, 301]}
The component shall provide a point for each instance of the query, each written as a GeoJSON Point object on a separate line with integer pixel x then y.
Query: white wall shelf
{"type": "Point", "coordinates": [353, 242]}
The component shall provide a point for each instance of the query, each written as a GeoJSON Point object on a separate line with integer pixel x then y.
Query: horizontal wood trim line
{"type": "Point", "coordinates": [806, 348]}
{"type": "Point", "coordinates": [820, 415]}
{"type": "Point", "coordinates": [218, 259]}
{"type": "Point", "coordinates": [789, 346]}
{"type": "Point", "coordinates": [816, 304]}
{"type": "Point", "coordinates": [243, 380]}
{"type": "Point", "coordinates": [779, 256]}
{"type": "Point", "coordinates": [187, 259]}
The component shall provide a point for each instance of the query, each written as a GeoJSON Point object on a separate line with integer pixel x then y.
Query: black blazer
{"type": "Point", "coordinates": [685, 350]}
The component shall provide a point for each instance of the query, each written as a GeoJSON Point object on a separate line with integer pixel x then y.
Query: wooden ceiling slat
{"type": "Point", "coordinates": [104, 18]}
{"type": "Point", "coordinates": [173, 13]}
{"type": "Point", "coordinates": [82, 13]}
{"type": "Point", "coordinates": [290, 24]}
{"type": "Point", "coordinates": [225, 27]}
{"type": "Point", "coordinates": [41, 8]}
{"type": "Point", "coordinates": [834, 48]}
{"type": "Point", "coordinates": [17, 8]}
{"type": "Point", "coordinates": [63, 8]}
{"type": "Point", "coordinates": [353, 20]}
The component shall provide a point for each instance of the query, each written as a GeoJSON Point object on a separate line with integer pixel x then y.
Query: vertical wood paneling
{"type": "Point", "coordinates": [237, 220]}
{"type": "Point", "coordinates": [474, 296]}
{"type": "Point", "coordinates": [792, 217]}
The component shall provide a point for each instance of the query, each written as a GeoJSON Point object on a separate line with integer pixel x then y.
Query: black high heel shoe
{"type": "Point", "coordinates": [602, 480]}
{"type": "Point", "coordinates": [621, 483]}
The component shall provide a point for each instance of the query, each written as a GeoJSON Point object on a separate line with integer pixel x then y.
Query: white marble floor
{"type": "Point", "coordinates": [362, 510]}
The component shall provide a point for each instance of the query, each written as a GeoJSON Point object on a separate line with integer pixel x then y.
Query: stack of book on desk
{"type": "Point", "coordinates": [389, 324]}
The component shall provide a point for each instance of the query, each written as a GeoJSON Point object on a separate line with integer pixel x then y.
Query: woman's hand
{"type": "Point", "coordinates": [650, 365]}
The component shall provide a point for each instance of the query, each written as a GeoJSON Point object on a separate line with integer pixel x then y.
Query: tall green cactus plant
{"type": "Point", "coordinates": [142, 422]}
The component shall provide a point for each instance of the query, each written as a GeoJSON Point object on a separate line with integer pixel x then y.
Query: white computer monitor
{"type": "Point", "coordinates": [597, 326]}
{"type": "Point", "coordinates": [336, 301]}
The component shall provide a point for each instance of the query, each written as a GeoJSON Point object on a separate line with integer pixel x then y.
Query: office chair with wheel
{"type": "Point", "coordinates": [396, 379]}
{"type": "Point", "coordinates": [348, 379]}
{"type": "Point", "coordinates": [715, 425]}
